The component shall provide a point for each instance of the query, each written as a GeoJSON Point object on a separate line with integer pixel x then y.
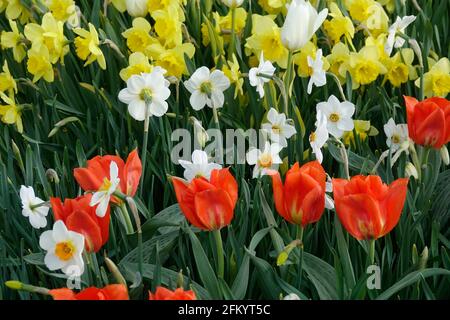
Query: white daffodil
{"type": "Point", "coordinates": [302, 21]}
{"type": "Point", "coordinates": [260, 75]}
{"type": "Point", "coordinates": [137, 8]}
{"type": "Point", "coordinates": [33, 207]}
{"type": "Point", "coordinates": [318, 138]}
{"type": "Point", "coordinates": [318, 77]}
{"type": "Point", "coordinates": [147, 90]}
{"type": "Point", "coordinates": [64, 249]}
{"type": "Point", "coordinates": [338, 114]}
{"type": "Point", "coordinates": [265, 160]}
{"type": "Point", "coordinates": [398, 27]}
{"type": "Point", "coordinates": [329, 202]}
{"type": "Point", "coordinates": [396, 134]}
{"type": "Point", "coordinates": [233, 3]}
{"type": "Point", "coordinates": [207, 88]}
{"type": "Point", "coordinates": [291, 296]}
{"type": "Point", "coordinates": [103, 195]}
{"type": "Point", "coordinates": [278, 128]}
{"type": "Point", "coordinates": [199, 167]}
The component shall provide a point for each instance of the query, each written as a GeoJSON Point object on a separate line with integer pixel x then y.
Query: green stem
{"type": "Point", "coordinates": [126, 217]}
{"type": "Point", "coordinates": [148, 102]}
{"type": "Point", "coordinates": [232, 40]}
{"type": "Point", "coordinates": [300, 232]}
{"type": "Point", "coordinates": [371, 251]}
{"type": "Point", "coordinates": [219, 251]}
{"type": "Point", "coordinates": [219, 141]}
{"type": "Point", "coordinates": [288, 82]}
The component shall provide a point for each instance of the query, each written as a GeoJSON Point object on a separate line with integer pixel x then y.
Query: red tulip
{"type": "Point", "coordinates": [92, 177]}
{"type": "Point", "coordinates": [428, 121]}
{"type": "Point", "coordinates": [111, 292]}
{"type": "Point", "coordinates": [301, 200]}
{"type": "Point", "coordinates": [208, 205]}
{"type": "Point", "coordinates": [166, 294]}
{"type": "Point", "coordinates": [368, 208]}
{"type": "Point", "coordinates": [80, 217]}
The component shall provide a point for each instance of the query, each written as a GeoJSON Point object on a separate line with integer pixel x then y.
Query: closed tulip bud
{"type": "Point", "coordinates": [411, 171]}
{"type": "Point", "coordinates": [302, 21]}
{"type": "Point", "coordinates": [444, 155]}
{"type": "Point", "coordinates": [137, 8]}
{"type": "Point", "coordinates": [232, 3]}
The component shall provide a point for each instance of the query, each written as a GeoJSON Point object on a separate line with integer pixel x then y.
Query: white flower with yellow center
{"type": "Point", "coordinates": [64, 249]}
{"type": "Point", "coordinates": [394, 40]}
{"type": "Point", "coordinates": [103, 195]}
{"type": "Point", "coordinates": [265, 160]}
{"type": "Point", "coordinates": [199, 167]}
{"type": "Point", "coordinates": [318, 138]}
{"type": "Point", "coordinates": [278, 128]}
{"type": "Point", "coordinates": [33, 207]}
{"type": "Point", "coordinates": [260, 75]}
{"type": "Point", "coordinates": [396, 134]}
{"type": "Point", "coordinates": [146, 91]}
{"type": "Point", "coordinates": [338, 114]}
{"type": "Point", "coordinates": [207, 88]}
{"type": "Point", "coordinates": [318, 77]}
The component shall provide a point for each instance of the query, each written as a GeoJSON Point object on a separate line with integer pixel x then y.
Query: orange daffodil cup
{"type": "Point", "coordinates": [209, 204]}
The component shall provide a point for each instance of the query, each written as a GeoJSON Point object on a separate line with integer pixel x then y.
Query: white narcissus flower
{"type": "Point", "coordinates": [64, 249]}
{"type": "Point", "coordinates": [338, 114]}
{"type": "Point", "coordinates": [103, 195]}
{"type": "Point", "coordinates": [278, 128]}
{"type": "Point", "coordinates": [137, 8]}
{"type": "Point", "coordinates": [33, 207]}
{"type": "Point", "coordinates": [233, 3]}
{"type": "Point", "coordinates": [265, 160]}
{"type": "Point", "coordinates": [302, 21]}
{"type": "Point", "coordinates": [260, 75]}
{"type": "Point", "coordinates": [329, 202]}
{"type": "Point", "coordinates": [207, 88]}
{"type": "Point", "coordinates": [199, 167]}
{"type": "Point", "coordinates": [291, 296]}
{"type": "Point", "coordinates": [318, 77]}
{"type": "Point", "coordinates": [318, 138]}
{"type": "Point", "coordinates": [396, 134]}
{"type": "Point", "coordinates": [147, 90]}
{"type": "Point", "coordinates": [397, 27]}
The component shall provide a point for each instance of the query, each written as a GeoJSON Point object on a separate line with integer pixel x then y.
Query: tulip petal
{"type": "Point", "coordinates": [62, 294]}
{"type": "Point", "coordinates": [132, 173]}
{"type": "Point", "coordinates": [214, 208]}
{"type": "Point", "coordinates": [393, 204]}
{"type": "Point", "coordinates": [223, 179]}
{"type": "Point", "coordinates": [278, 196]}
{"type": "Point", "coordinates": [81, 222]}
{"type": "Point", "coordinates": [116, 292]}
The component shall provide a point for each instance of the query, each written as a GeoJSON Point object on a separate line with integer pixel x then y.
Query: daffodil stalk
{"type": "Point", "coordinates": [134, 211]}
{"type": "Point", "coordinates": [233, 33]}
{"type": "Point", "coordinates": [126, 218]}
{"type": "Point", "coordinates": [148, 102]}
{"type": "Point", "coordinates": [341, 90]}
{"type": "Point", "coordinates": [219, 251]}
{"type": "Point", "coordinates": [42, 204]}
{"type": "Point", "coordinates": [17, 285]}
{"type": "Point", "coordinates": [344, 155]}
{"type": "Point", "coordinates": [288, 81]}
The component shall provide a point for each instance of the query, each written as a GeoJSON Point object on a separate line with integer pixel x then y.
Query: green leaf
{"type": "Point", "coordinates": [322, 275]}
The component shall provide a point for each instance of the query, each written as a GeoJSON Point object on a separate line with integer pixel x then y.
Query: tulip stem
{"type": "Point", "coordinates": [300, 260]}
{"type": "Point", "coordinates": [371, 251]}
{"type": "Point", "coordinates": [219, 251]}
{"type": "Point", "coordinates": [232, 40]}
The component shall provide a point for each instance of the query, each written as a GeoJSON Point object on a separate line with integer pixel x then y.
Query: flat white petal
{"type": "Point", "coordinates": [199, 157]}
{"type": "Point", "coordinates": [253, 156]}
{"type": "Point", "coordinates": [137, 110]}
{"type": "Point", "coordinates": [217, 99]}
{"type": "Point", "coordinates": [52, 262]}
{"type": "Point", "coordinates": [46, 241]}
{"type": "Point", "coordinates": [102, 207]}
{"type": "Point", "coordinates": [219, 80]}
{"type": "Point", "coordinates": [158, 108]}
{"type": "Point", "coordinates": [198, 100]}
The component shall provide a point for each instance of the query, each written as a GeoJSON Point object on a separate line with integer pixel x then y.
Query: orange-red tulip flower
{"type": "Point", "coordinates": [367, 207]}
{"type": "Point", "coordinates": [208, 205]}
{"type": "Point", "coordinates": [98, 169]}
{"type": "Point", "coordinates": [80, 217]}
{"type": "Point", "coordinates": [301, 200]}
{"type": "Point", "coordinates": [428, 121]}
{"type": "Point", "coordinates": [166, 294]}
{"type": "Point", "coordinates": [111, 292]}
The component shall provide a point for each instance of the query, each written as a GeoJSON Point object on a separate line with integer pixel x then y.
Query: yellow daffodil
{"type": "Point", "coordinates": [379, 42]}
{"type": "Point", "coordinates": [138, 36]}
{"type": "Point", "coordinates": [231, 70]}
{"type": "Point", "coordinates": [2, 5]}
{"type": "Point", "coordinates": [273, 6]}
{"type": "Point", "coordinates": [7, 82]}
{"type": "Point", "coordinates": [62, 10]}
{"type": "Point", "coordinates": [301, 60]}
{"type": "Point", "coordinates": [359, 9]}
{"type": "Point", "coordinates": [363, 130]}
{"type": "Point", "coordinates": [137, 63]}
{"type": "Point", "coordinates": [388, 4]}
{"type": "Point", "coordinates": [370, 13]}
{"type": "Point", "coordinates": [224, 22]}
{"type": "Point", "coordinates": [16, 10]}
{"type": "Point", "coordinates": [365, 66]}
{"type": "Point", "coordinates": [400, 68]}
{"type": "Point", "coordinates": [338, 60]}
{"type": "Point", "coordinates": [172, 59]}
{"type": "Point", "coordinates": [437, 79]}
{"type": "Point", "coordinates": [51, 34]}
{"type": "Point", "coordinates": [266, 37]}
{"type": "Point", "coordinates": [339, 25]}
{"type": "Point", "coordinates": [155, 5]}
{"type": "Point", "coordinates": [168, 26]}
{"type": "Point", "coordinates": [120, 5]}
{"type": "Point", "coordinates": [14, 40]}
{"type": "Point", "coordinates": [39, 64]}
{"type": "Point", "coordinates": [87, 46]}
{"type": "Point", "coordinates": [10, 113]}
